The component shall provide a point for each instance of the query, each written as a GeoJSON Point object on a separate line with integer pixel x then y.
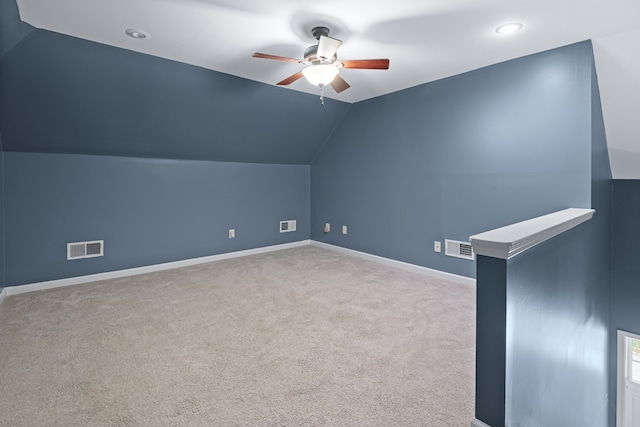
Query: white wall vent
{"type": "Point", "coordinates": [79, 250]}
{"type": "Point", "coordinates": [458, 249]}
{"type": "Point", "coordinates": [287, 226]}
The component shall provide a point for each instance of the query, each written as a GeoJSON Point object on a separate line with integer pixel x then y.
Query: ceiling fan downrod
{"type": "Point", "coordinates": [318, 32]}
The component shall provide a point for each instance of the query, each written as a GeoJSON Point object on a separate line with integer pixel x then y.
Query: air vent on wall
{"type": "Point", "coordinates": [458, 249]}
{"type": "Point", "coordinates": [79, 250]}
{"type": "Point", "coordinates": [287, 226]}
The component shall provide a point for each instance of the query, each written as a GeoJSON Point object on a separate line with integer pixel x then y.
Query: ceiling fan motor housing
{"type": "Point", "coordinates": [322, 62]}
{"type": "Point", "coordinates": [311, 53]}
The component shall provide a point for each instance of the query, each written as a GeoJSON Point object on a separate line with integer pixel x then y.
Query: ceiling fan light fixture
{"type": "Point", "coordinates": [321, 74]}
{"type": "Point", "coordinates": [510, 28]}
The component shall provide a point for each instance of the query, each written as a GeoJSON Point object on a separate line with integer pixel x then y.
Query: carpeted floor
{"type": "Point", "coordinates": [299, 337]}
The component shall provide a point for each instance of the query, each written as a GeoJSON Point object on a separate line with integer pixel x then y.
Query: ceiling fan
{"type": "Point", "coordinates": [322, 62]}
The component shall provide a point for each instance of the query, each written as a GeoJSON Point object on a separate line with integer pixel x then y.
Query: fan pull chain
{"type": "Point", "coordinates": [322, 94]}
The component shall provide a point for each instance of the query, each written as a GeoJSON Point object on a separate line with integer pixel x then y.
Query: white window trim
{"type": "Point", "coordinates": [621, 377]}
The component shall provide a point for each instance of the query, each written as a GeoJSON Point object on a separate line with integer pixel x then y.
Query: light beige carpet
{"type": "Point", "coordinates": [299, 337]}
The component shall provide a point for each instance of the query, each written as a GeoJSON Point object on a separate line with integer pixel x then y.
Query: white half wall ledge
{"type": "Point", "coordinates": [507, 242]}
{"type": "Point", "coordinates": [477, 423]}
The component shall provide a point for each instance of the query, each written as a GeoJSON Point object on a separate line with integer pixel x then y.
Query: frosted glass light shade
{"type": "Point", "coordinates": [320, 74]}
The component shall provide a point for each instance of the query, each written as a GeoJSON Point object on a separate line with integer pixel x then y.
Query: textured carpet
{"type": "Point", "coordinates": [299, 337]}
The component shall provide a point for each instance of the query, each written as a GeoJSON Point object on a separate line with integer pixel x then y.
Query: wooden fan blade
{"type": "Point", "coordinates": [367, 64]}
{"type": "Point", "coordinates": [327, 47]}
{"type": "Point", "coordinates": [339, 84]}
{"type": "Point", "coordinates": [277, 58]}
{"type": "Point", "coordinates": [290, 79]}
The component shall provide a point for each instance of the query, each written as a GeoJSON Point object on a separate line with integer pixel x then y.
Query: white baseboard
{"type": "Point", "coordinates": [399, 264]}
{"type": "Point", "coordinates": [51, 284]}
{"type": "Point", "coordinates": [32, 287]}
{"type": "Point", "coordinates": [477, 423]}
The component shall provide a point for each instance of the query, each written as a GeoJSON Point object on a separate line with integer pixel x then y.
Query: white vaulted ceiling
{"type": "Point", "coordinates": [424, 41]}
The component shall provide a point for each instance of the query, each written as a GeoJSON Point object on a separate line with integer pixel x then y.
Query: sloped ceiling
{"type": "Point", "coordinates": [618, 66]}
{"type": "Point", "coordinates": [62, 94]}
{"type": "Point", "coordinates": [425, 41]}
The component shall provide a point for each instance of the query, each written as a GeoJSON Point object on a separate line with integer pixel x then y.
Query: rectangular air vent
{"type": "Point", "coordinates": [459, 249]}
{"type": "Point", "coordinates": [287, 226]}
{"type": "Point", "coordinates": [79, 250]}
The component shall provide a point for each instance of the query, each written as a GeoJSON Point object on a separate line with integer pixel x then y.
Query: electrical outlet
{"type": "Point", "coordinates": [232, 233]}
{"type": "Point", "coordinates": [327, 227]}
{"type": "Point", "coordinates": [344, 229]}
{"type": "Point", "coordinates": [437, 247]}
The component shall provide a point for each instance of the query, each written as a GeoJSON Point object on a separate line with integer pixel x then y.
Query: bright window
{"type": "Point", "coordinates": [635, 361]}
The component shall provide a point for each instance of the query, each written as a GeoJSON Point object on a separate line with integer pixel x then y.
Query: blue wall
{"type": "Point", "coordinates": [12, 29]}
{"type": "Point", "coordinates": [491, 340]}
{"type": "Point", "coordinates": [625, 286]}
{"type": "Point", "coordinates": [601, 251]}
{"type": "Point", "coordinates": [148, 211]}
{"type": "Point", "coordinates": [557, 333]}
{"type": "Point", "coordinates": [61, 94]}
{"type": "Point", "coordinates": [557, 316]}
{"type": "Point", "coordinates": [2, 269]}
{"type": "Point", "coordinates": [626, 258]}
{"type": "Point", "coordinates": [457, 157]}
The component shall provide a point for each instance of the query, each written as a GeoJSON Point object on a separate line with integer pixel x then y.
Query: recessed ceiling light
{"type": "Point", "coordinates": [137, 34]}
{"type": "Point", "coordinates": [509, 28]}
